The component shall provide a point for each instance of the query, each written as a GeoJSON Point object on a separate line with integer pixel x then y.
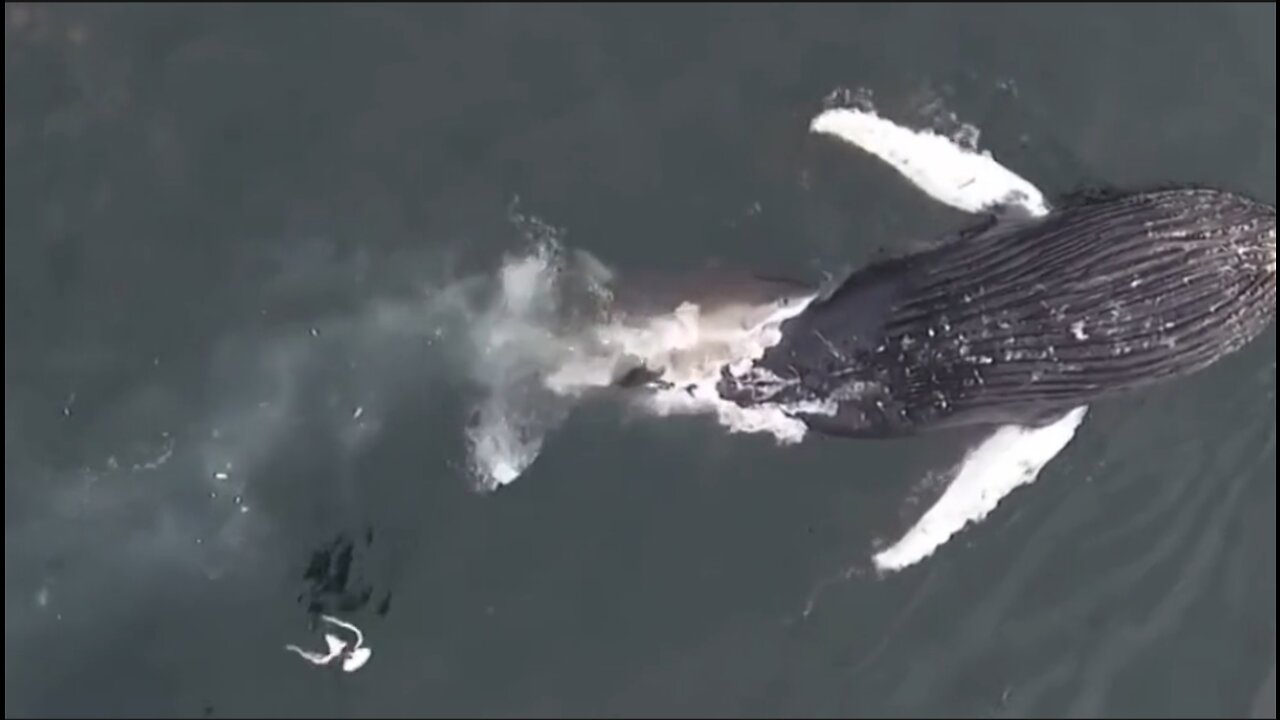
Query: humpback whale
{"type": "Point", "coordinates": [1014, 325]}
{"type": "Point", "coordinates": [1022, 318]}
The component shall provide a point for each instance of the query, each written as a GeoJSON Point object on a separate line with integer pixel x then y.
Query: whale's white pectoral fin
{"type": "Point", "coordinates": [960, 177]}
{"type": "Point", "coordinates": [1012, 457]}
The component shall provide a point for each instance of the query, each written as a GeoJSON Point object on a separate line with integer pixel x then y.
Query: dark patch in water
{"type": "Point", "coordinates": [335, 585]}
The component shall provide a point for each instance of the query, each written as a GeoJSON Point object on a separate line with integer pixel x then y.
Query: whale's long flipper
{"type": "Point", "coordinates": [962, 178]}
{"type": "Point", "coordinates": [1010, 458]}
{"type": "Point", "coordinates": [972, 181]}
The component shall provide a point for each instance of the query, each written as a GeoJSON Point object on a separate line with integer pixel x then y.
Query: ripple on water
{"type": "Point", "coordinates": [1114, 583]}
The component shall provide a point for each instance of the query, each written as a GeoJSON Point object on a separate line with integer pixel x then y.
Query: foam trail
{"type": "Point", "coordinates": [1009, 459]}
{"type": "Point", "coordinates": [691, 345]}
{"type": "Point", "coordinates": [549, 337]}
{"type": "Point", "coordinates": [963, 178]}
{"type": "Point", "coordinates": [973, 181]}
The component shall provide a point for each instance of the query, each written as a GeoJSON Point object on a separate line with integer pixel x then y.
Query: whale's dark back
{"type": "Point", "coordinates": [1021, 321]}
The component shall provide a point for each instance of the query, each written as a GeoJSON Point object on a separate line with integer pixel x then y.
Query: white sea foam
{"type": "Point", "coordinates": [549, 338]}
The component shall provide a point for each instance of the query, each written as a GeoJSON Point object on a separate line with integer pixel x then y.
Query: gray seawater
{"type": "Point", "coordinates": [216, 219]}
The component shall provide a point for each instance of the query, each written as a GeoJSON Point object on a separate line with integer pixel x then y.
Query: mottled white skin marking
{"type": "Point", "coordinates": [352, 660]}
{"type": "Point", "coordinates": [971, 181]}
{"type": "Point", "coordinates": [1272, 248]}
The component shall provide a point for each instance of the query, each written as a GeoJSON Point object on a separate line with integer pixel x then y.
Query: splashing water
{"type": "Point", "coordinates": [550, 337]}
{"type": "Point", "coordinates": [514, 341]}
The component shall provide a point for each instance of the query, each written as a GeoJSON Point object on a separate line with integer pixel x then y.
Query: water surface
{"type": "Point", "coordinates": [218, 221]}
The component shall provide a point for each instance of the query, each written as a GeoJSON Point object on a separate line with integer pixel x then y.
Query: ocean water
{"type": "Point", "coordinates": [251, 327]}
